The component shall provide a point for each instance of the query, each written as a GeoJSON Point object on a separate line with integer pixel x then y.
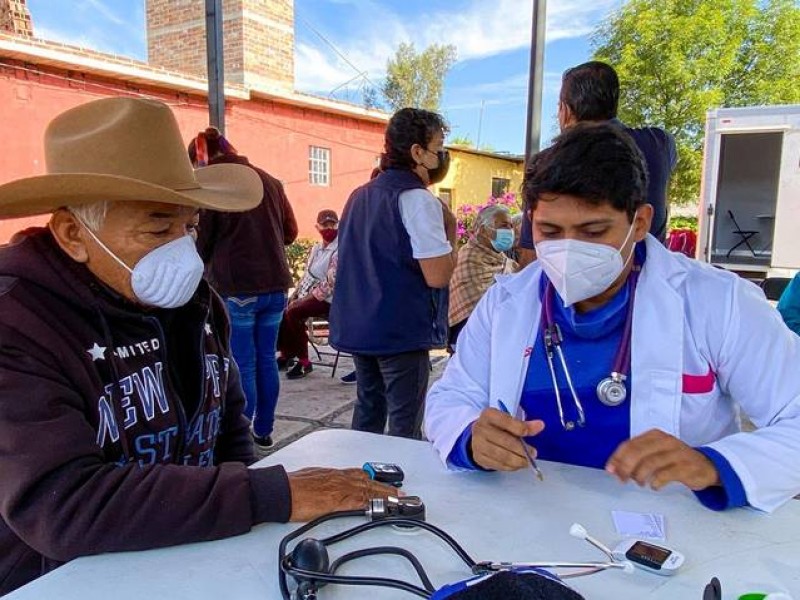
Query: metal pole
{"type": "Point", "coordinates": [536, 79]}
{"type": "Point", "coordinates": [216, 64]}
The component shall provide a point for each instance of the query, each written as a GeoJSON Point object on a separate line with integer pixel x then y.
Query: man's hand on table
{"type": "Point", "coordinates": [656, 458]}
{"type": "Point", "coordinates": [317, 491]}
{"type": "Point", "coordinates": [496, 440]}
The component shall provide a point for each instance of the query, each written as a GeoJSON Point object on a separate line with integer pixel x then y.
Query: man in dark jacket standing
{"type": "Point", "coordinates": [246, 256]}
{"type": "Point", "coordinates": [397, 251]}
{"type": "Point", "coordinates": [590, 93]}
{"type": "Point", "coordinates": [121, 411]}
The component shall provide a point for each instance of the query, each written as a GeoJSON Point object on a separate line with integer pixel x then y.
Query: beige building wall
{"type": "Point", "coordinates": [469, 180]}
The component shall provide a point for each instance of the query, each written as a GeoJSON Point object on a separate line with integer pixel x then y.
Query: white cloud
{"type": "Point", "coordinates": [491, 28]}
{"type": "Point", "coordinates": [483, 29]}
{"type": "Point", "coordinates": [511, 90]}
{"type": "Point", "coordinates": [110, 26]}
{"type": "Point", "coordinates": [82, 40]}
{"type": "Point", "coordinates": [96, 6]}
{"type": "Point", "coordinates": [320, 70]}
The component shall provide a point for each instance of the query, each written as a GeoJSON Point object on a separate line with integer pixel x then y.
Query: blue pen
{"type": "Point", "coordinates": [525, 448]}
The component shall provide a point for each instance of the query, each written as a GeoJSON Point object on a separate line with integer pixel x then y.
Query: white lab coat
{"type": "Point", "coordinates": [688, 318]}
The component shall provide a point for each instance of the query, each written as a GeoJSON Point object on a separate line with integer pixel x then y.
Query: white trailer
{"type": "Point", "coordinates": [750, 193]}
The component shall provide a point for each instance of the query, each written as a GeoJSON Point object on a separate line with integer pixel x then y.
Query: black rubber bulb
{"type": "Point", "coordinates": [310, 555]}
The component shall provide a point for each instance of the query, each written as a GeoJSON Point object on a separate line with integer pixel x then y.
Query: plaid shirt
{"type": "Point", "coordinates": [474, 274]}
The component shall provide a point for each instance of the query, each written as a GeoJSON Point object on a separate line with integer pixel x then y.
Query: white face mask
{"type": "Point", "coordinates": [579, 270]}
{"type": "Point", "coordinates": [166, 277]}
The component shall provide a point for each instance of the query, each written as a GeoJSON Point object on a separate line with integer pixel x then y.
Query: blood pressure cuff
{"type": "Point", "coordinates": [513, 584]}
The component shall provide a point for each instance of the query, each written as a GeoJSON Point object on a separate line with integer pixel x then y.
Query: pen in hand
{"type": "Point", "coordinates": [525, 448]}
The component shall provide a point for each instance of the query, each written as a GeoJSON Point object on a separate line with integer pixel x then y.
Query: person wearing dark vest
{"type": "Point", "coordinates": [397, 251]}
{"type": "Point", "coordinates": [590, 93]}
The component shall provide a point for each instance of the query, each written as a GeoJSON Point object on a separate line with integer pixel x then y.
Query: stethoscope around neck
{"type": "Point", "coordinates": [612, 390]}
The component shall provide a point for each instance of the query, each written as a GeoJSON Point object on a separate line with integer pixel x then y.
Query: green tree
{"type": "Point", "coordinates": [676, 59]}
{"type": "Point", "coordinates": [416, 78]}
{"type": "Point", "coordinates": [767, 70]}
{"type": "Point", "coordinates": [461, 140]}
{"type": "Point", "coordinates": [369, 96]}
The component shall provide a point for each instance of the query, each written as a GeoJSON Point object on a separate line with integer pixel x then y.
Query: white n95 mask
{"type": "Point", "coordinates": [166, 277]}
{"type": "Point", "coordinates": [579, 270]}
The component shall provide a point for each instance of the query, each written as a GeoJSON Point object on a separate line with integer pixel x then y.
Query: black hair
{"type": "Point", "coordinates": [409, 126]}
{"type": "Point", "coordinates": [596, 162]}
{"type": "Point", "coordinates": [591, 91]}
{"type": "Point", "coordinates": [215, 142]}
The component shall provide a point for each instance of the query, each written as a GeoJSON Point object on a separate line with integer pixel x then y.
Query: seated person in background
{"type": "Point", "coordinates": [480, 260]}
{"type": "Point", "coordinates": [789, 304]}
{"type": "Point", "coordinates": [312, 298]}
{"type": "Point", "coordinates": [661, 349]}
{"type": "Point", "coordinates": [121, 411]}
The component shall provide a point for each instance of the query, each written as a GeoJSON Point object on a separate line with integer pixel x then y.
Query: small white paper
{"type": "Point", "coordinates": [647, 526]}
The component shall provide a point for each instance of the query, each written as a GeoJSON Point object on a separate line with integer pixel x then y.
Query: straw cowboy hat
{"type": "Point", "coordinates": [125, 149]}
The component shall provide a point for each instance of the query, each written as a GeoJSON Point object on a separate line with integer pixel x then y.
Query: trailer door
{"type": "Point", "coordinates": [786, 248]}
{"type": "Point", "coordinates": [747, 197]}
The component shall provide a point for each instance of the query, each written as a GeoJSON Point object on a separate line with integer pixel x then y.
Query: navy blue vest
{"type": "Point", "coordinates": [381, 303]}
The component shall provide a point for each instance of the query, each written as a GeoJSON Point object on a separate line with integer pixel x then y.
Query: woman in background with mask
{"type": "Point", "coordinates": [479, 261]}
{"type": "Point", "coordinates": [397, 251]}
{"type": "Point", "coordinates": [612, 352]}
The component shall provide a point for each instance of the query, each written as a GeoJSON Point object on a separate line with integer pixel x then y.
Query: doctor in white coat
{"type": "Point", "coordinates": [659, 350]}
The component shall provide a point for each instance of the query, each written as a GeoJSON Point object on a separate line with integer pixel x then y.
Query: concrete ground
{"type": "Point", "coordinates": [319, 401]}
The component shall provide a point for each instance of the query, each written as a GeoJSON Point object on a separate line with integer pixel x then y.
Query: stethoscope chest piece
{"type": "Point", "coordinates": [611, 391]}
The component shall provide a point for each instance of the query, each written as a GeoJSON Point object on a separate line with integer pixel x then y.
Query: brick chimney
{"type": "Point", "coordinates": [258, 40]}
{"type": "Point", "coordinates": [15, 18]}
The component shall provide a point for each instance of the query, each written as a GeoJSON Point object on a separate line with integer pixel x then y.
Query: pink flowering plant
{"type": "Point", "coordinates": [466, 214]}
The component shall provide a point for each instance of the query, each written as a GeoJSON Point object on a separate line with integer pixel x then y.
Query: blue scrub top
{"type": "Point", "coordinates": [591, 342]}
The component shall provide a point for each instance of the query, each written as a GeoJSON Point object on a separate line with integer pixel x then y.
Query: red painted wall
{"type": "Point", "coordinates": [274, 136]}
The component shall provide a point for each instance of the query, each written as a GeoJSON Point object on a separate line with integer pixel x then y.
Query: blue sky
{"type": "Point", "coordinates": [492, 38]}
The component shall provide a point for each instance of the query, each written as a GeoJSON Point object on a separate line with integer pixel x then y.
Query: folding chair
{"type": "Point", "coordinates": [318, 336]}
{"type": "Point", "coordinates": [773, 287]}
{"type": "Point", "coordinates": [745, 234]}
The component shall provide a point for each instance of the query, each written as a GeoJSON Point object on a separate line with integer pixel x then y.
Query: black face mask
{"type": "Point", "coordinates": [438, 173]}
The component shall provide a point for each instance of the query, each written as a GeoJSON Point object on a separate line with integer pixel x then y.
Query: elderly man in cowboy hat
{"type": "Point", "coordinates": [121, 411]}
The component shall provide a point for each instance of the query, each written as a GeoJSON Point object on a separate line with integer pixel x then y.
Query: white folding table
{"type": "Point", "coordinates": [495, 516]}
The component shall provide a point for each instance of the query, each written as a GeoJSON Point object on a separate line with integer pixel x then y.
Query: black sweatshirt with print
{"type": "Point", "coordinates": [120, 428]}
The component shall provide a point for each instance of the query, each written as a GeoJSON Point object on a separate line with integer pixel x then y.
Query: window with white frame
{"type": "Point", "coordinates": [500, 186]}
{"type": "Point", "coordinates": [446, 196]}
{"type": "Point", "coordinates": [319, 165]}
